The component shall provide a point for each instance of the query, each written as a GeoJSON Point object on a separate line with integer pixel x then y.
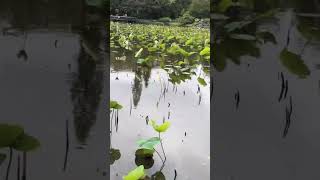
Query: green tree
{"type": "Point", "coordinates": [200, 8]}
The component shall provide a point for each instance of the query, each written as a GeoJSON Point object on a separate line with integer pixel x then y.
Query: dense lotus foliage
{"type": "Point", "coordinates": [178, 50]}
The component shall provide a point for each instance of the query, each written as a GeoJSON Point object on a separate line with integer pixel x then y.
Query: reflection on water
{"type": "Point", "coordinates": [155, 98]}
{"type": "Point", "coordinates": [137, 88]}
{"type": "Point", "coordinates": [53, 72]}
{"type": "Point", "coordinates": [87, 86]}
{"type": "Point", "coordinates": [275, 128]}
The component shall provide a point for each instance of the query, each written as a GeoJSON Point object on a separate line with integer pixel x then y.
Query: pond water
{"type": "Point", "coordinates": [258, 140]}
{"type": "Point", "coordinates": [52, 72]}
{"type": "Point", "coordinates": [140, 91]}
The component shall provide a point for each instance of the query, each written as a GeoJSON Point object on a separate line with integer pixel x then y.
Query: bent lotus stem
{"type": "Point", "coordinates": [158, 155]}
{"type": "Point", "coordinates": [165, 157]}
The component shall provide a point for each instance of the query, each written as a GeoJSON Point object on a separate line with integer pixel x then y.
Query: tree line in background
{"type": "Point", "coordinates": [265, 5]}
{"type": "Point", "coordinates": [156, 9]}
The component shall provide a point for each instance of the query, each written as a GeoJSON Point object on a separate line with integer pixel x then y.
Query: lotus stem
{"type": "Point", "coordinates": [112, 113]}
{"type": "Point", "coordinates": [9, 164]}
{"type": "Point", "coordinates": [24, 175]}
{"type": "Point", "coordinates": [165, 157]}
{"type": "Point", "coordinates": [18, 168]}
{"type": "Point", "coordinates": [158, 155]}
{"type": "Point", "coordinates": [67, 147]}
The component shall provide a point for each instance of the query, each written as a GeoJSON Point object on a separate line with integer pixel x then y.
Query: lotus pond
{"type": "Point", "coordinates": [160, 108]}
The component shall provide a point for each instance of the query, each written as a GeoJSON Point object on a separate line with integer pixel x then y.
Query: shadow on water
{"type": "Point", "coordinates": [275, 125]}
{"type": "Point", "coordinates": [46, 43]}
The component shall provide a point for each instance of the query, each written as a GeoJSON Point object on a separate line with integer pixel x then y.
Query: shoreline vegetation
{"type": "Point", "coordinates": [187, 13]}
{"type": "Point", "coordinates": [198, 23]}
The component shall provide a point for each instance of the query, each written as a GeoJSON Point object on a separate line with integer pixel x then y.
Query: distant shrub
{"type": "Point", "coordinates": [186, 18]}
{"type": "Point", "coordinates": [200, 8]}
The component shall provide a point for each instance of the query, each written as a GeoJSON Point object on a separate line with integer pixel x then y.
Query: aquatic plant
{"type": "Point", "coordinates": [115, 107]}
{"type": "Point", "coordinates": [160, 128]}
{"type": "Point", "coordinates": [294, 63]}
{"type": "Point", "coordinates": [115, 155]}
{"type": "Point", "coordinates": [236, 33]}
{"type": "Point", "coordinates": [144, 157]}
{"type": "Point", "coordinates": [239, 31]}
{"type": "Point", "coordinates": [144, 154]}
{"type": "Point", "coordinates": [136, 174]}
{"type": "Point", "coordinates": [150, 144]}
{"type": "Point", "coordinates": [13, 137]}
{"type": "Point", "coordinates": [177, 50]}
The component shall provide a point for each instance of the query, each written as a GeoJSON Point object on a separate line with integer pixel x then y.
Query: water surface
{"type": "Point", "coordinates": [187, 141]}
{"type": "Point", "coordinates": [249, 142]}
{"type": "Point", "coordinates": [52, 70]}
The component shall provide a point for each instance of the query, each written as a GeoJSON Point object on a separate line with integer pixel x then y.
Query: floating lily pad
{"type": "Point", "coordinates": [144, 159]}
{"type": "Point", "coordinates": [144, 152]}
{"type": "Point", "coordinates": [115, 155]}
{"type": "Point", "coordinates": [158, 176]}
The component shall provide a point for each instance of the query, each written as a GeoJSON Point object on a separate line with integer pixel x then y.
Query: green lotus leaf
{"type": "Point", "coordinates": [135, 174]}
{"type": "Point", "coordinates": [26, 143]}
{"type": "Point", "coordinates": [158, 176]}
{"type": "Point", "coordinates": [115, 105]}
{"type": "Point", "coordinates": [160, 128]}
{"type": "Point", "coordinates": [205, 51]}
{"type": "Point", "coordinates": [149, 143]}
{"type": "Point", "coordinates": [144, 152]}
{"type": "Point", "coordinates": [294, 63]}
{"type": "Point", "coordinates": [115, 155]}
{"type": "Point", "coordinates": [9, 134]}
{"type": "Point", "coordinates": [202, 81]}
{"type": "Point", "coordinates": [147, 162]}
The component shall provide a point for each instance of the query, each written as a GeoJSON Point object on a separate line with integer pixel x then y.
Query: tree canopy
{"type": "Point", "coordinates": [154, 9]}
